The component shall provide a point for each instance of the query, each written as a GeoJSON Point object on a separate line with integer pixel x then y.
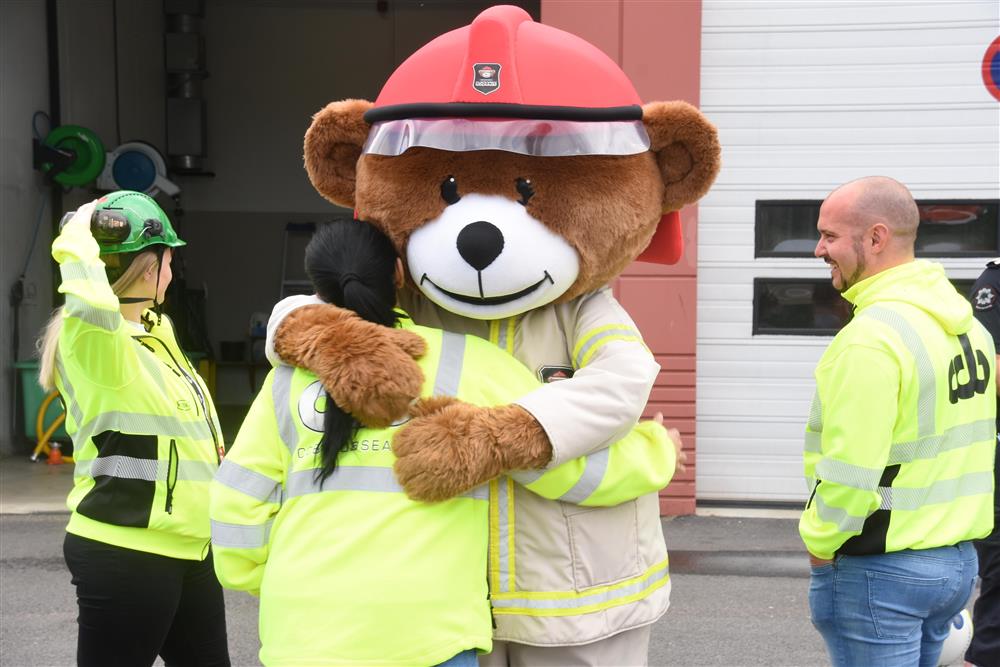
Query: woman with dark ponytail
{"type": "Point", "coordinates": [307, 513]}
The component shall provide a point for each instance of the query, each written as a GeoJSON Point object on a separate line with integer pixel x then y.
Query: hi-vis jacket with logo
{"type": "Point", "coordinates": [562, 574]}
{"type": "Point", "coordinates": [901, 435]}
{"type": "Point", "coordinates": [351, 571]}
{"type": "Point", "coordinates": [146, 438]}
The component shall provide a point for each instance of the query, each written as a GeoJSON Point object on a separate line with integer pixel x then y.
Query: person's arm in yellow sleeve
{"type": "Point", "coordinates": [859, 393]}
{"type": "Point", "coordinates": [246, 495]}
{"type": "Point", "coordinates": [642, 462]}
{"type": "Point", "coordinates": [93, 327]}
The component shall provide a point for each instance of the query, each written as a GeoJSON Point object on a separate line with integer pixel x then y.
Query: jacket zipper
{"type": "Point", "coordinates": [194, 387]}
{"type": "Point", "coordinates": [172, 465]}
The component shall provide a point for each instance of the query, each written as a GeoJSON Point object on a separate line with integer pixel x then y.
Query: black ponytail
{"type": "Point", "coordinates": [352, 265]}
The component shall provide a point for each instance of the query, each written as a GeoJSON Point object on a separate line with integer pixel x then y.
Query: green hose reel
{"type": "Point", "coordinates": [71, 155]}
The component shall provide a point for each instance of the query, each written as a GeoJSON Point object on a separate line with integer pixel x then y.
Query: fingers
{"type": "Point", "coordinates": [81, 218]}
{"type": "Point", "coordinates": [411, 343]}
{"type": "Point", "coordinates": [658, 418]}
{"type": "Point", "coordinates": [681, 455]}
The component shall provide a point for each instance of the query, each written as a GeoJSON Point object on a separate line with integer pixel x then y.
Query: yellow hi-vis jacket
{"type": "Point", "coordinates": [146, 438]}
{"type": "Point", "coordinates": [352, 572]}
{"type": "Point", "coordinates": [901, 435]}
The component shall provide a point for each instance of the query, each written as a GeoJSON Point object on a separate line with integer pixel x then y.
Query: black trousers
{"type": "Point", "coordinates": [136, 605]}
{"type": "Point", "coordinates": [985, 647]}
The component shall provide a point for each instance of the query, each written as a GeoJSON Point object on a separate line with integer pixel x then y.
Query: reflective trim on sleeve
{"type": "Point", "coordinates": [815, 423]}
{"type": "Point", "coordinates": [236, 536]}
{"type": "Point", "coordinates": [928, 447]}
{"type": "Point", "coordinates": [281, 391]}
{"type": "Point", "coordinates": [848, 474]}
{"type": "Point", "coordinates": [562, 603]}
{"type": "Point", "coordinates": [249, 482]}
{"type": "Point", "coordinates": [505, 536]}
{"type": "Point", "coordinates": [814, 442]}
{"type": "Point", "coordinates": [927, 396]}
{"type": "Point", "coordinates": [137, 423]}
{"type": "Point", "coordinates": [374, 479]}
{"type": "Point", "coordinates": [70, 402]}
{"type": "Point", "coordinates": [597, 338]}
{"type": "Point", "coordinates": [526, 477]}
{"type": "Point", "coordinates": [83, 271]}
{"type": "Point", "coordinates": [846, 523]}
{"type": "Point", "coordinates": [76, 307]}
{"type": "Point", "coordinates": [449, 371]}
{"type": "Point", "coordinates": [593, 473]}
{"type": "Point", "coordinates": [943, 491]}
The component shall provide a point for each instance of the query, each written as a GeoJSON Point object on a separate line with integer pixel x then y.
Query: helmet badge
{"type": "Point", "coordinates": [487, 77]}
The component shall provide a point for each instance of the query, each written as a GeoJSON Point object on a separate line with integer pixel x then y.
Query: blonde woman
{"type": "Point", "coordinates": [146, 441]}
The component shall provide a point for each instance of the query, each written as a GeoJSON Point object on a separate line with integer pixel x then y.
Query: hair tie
{"type": "Point", "coordinates": [348, 277]}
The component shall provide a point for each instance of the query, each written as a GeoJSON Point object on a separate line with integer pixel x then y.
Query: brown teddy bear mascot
{"type": "Point", "coordinates": [515, 170]}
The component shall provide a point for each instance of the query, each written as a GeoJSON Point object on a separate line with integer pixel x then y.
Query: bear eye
{"type": "Point", "coordinates": [526, 190]}
{"type": "Point", "coordinates": [449, 190]}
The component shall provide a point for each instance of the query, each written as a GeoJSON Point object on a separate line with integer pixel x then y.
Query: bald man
{"type": "Point", "coordinates": [899, 441]}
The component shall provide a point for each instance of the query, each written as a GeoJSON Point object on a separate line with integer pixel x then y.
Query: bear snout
{"type": "Point", "coordinates": [479, 243]}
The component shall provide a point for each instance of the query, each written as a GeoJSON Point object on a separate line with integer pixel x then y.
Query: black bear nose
{"type": "Point", "coordinates": [479, 243]}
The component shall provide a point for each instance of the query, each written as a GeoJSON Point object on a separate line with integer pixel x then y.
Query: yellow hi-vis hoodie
{"type": "Point", "coordinates": [146, 438]}
{"type": "Point", "coordinates": [353, 572]}
{"type": "Point", "coordinates": [901, 434]}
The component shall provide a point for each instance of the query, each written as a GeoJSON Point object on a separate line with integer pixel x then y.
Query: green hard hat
{"type": "Point", "coordinates": [147, 225]}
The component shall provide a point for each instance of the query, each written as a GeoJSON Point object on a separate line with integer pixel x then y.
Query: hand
{"type": "Point", "coordinates": [675, 437]}
{"type": "Point", "coordinates": [818, 562]}
{"type": "Point", "coordinates": [81, 218]}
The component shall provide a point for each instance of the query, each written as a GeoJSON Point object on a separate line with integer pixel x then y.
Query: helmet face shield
{"type": "Point", "coordinates": [538, 138]}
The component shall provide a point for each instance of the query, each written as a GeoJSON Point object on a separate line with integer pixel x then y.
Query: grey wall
{"type": "Point", "coordinates": [23, 90]}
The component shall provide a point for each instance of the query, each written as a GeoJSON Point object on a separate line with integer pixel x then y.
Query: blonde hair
{"type": "Point", "coordinates": [48, 342]}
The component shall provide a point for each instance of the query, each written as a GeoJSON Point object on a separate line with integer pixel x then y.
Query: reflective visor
{"type": "Point", "coordinates": [541, 138]}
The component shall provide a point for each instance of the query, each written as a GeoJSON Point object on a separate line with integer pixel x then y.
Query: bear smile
{"type": "Point", "coordinates": [489, 300]}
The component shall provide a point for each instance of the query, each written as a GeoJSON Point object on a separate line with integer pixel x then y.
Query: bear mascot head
{"type": "Point", "coordinates": [515, 170]}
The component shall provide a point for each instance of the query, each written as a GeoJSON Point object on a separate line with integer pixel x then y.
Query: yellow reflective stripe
{"type": "Point", "coordinates": [510, 534]}
{"type": "Point", "coordinates": [632, 338]}
{"type": "Point", "coordinates": [495, 332]}
{"type": "Point", "coordinates": [568, 603]}
{"type": "Point", "coordinates": [586, 338]}
{"type": "Point", "coordinates": [494, 535]}
{"type": "Point", "coordinates": [511, 323]}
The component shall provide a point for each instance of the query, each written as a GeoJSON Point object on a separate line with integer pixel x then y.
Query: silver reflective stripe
{"type": "Point", "coordinates": [70, 397]}
{"type": "Point", "coordinates": [449, 372]}
{"type": "Point", "coordinates": [845, 522]}
{"type": "Point", "coordinates": [601, 597]}
{"type": "Point", "coordinates": [927, 396]}
{"type": "Point", "coordinates": [191, 471]}
{"type": "Point", "coordinates": [593, 474]}
{"type": "Point", "coordinates": [848, 474]}
{"type": "Point", "coordinates": [235, 536]}
{"type": "Point", "coordinates": [963, 435]}
{"type": "Point", "coordinates": [98, 317]}
{"type": "Point", "coordinates": [83, 271]}
{"type": "Point", "coordinates": [280, 395]}
{"type": "Point", "coordinates": [815, 422]}
{"type": "Point", "coordinates": [374, 479]}
{"type": "Point", "coordinates": [503, 565]}
{"type": "Point", "coordinates": [124, 467]}
{"type": "Point", "coordinates": [813, 442]}
{"type": "Point", "coordinates": [810, 483]}
{"type": "Point", "coordinates": [597, 338]}
{"type": "Point", "coordinates": [249, 482]}
{"type": "Point", "coordinates": [151, 470]}
{"type": "Point", "coordinates": [502, 334]}
{"type": "Point", "coordinates": [133, 422]}
{"type": "Point", "coordinates": [526, 477]}
{"type": "Point", "coordinates": [943, 491]}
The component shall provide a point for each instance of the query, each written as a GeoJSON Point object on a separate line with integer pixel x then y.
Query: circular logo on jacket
{"type": "Point", "coordinates": [487, 77]}
{"type": "Point", "coordinates": [985, 298]}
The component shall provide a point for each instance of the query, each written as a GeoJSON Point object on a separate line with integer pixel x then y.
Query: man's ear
{"type": "Point", "coordinates": [332, 148]}
{"type": "Point", "coordinates": [880, 236]}
{"type": "Point", "coordinates": [687, 151]}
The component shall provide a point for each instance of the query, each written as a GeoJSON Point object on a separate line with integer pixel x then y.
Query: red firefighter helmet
{"type": "Point", "coordinates": [508, 83]}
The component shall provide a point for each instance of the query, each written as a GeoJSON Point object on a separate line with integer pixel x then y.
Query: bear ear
{"type": "Point", "coordinates": [687, 151]}
{"type": "Point", "coordinates": [332, 148]}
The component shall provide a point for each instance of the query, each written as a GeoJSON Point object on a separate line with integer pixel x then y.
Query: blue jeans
{"type": "Point", "coordinates": [891, 609]}
{"type": "Point", "coordinates": [463, 659]}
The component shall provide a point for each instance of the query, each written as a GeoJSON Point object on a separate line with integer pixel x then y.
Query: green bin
{"type": "Point", "coordinates": [32, 396]}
